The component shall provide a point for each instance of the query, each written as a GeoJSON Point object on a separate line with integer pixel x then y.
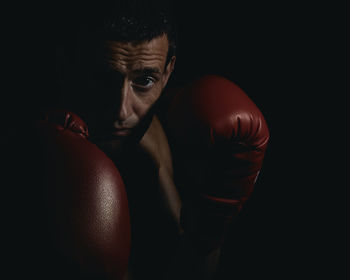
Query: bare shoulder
{"type": "Point", "coordinates": [155, 143]}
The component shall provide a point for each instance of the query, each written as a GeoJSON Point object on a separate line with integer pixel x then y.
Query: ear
{"type": "Point", "coordinates": [168, 70]}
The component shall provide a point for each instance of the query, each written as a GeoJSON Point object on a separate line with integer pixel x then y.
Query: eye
{"type": "Point", "coordinates": [144, 82]}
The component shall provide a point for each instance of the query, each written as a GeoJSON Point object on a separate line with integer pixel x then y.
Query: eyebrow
{"type": "Point", "coordinates": [146, 71]}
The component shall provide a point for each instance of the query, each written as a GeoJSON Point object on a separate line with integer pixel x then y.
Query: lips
{"type": "Point", "coordinates": [121, 132]}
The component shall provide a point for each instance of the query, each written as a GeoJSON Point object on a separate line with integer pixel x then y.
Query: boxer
{"type": "Point", "coordinates": [188, 158]}
{"type": "Point", "coordinates": [113, 78]}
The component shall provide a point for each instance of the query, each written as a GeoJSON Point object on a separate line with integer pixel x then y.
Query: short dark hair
{"type": "Point", "coordinates": [128, 21]}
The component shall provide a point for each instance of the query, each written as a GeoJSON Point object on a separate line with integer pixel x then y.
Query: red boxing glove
{"type": "Point", "coordinates": [218, 138]}
{"type": "Point", "coordinates": [85, 199]}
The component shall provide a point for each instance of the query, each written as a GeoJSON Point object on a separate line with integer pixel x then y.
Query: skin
{"type": "Point", "coordinates": [144, 77]}
{"type": "Point", "coordinates": [130, 78]}
{"type": "Point", "coordinates": [121, 81]}
{"type": "Point", "coordinates": [142, 74]}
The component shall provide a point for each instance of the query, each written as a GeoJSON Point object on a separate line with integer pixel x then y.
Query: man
{"type": "Point", "coordinates": [118, 69]}
{"type": "Point", "coordinates": [114, 75]}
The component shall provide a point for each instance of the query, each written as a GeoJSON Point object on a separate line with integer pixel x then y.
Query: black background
{"type": "Point", "coordinates": [278, 54]}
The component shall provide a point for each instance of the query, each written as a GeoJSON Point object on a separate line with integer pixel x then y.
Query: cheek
{"type": "Point", "coordinates": [146, 101]}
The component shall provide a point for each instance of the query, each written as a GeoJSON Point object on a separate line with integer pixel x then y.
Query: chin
{"type": "Point", "coordinates": [112, 147]}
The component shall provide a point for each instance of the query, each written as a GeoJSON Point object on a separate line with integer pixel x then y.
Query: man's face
{"type": "Point", "coordinates": [125, 80]}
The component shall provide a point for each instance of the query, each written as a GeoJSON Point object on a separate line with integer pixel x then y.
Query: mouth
{"type": "Point", "coordinates": [113, 133]}
{"type": "Point", "coordinates": [121, 132]}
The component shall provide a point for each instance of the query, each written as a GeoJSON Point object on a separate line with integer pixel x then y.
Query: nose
{"type": "Point", "coordinates": [124, 110]}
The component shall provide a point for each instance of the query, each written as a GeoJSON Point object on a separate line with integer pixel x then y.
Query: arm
{"type": "Point", "coordinates": [218, 138]}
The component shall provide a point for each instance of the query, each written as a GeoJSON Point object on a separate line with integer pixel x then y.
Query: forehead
{"type": "Point", "coordinates": [128, 56]}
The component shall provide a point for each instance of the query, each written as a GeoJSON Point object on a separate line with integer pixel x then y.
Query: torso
{"type": "Point", "coordinates": [154, 202]}
{"type": "Point", "coordinates": [155, 143]}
